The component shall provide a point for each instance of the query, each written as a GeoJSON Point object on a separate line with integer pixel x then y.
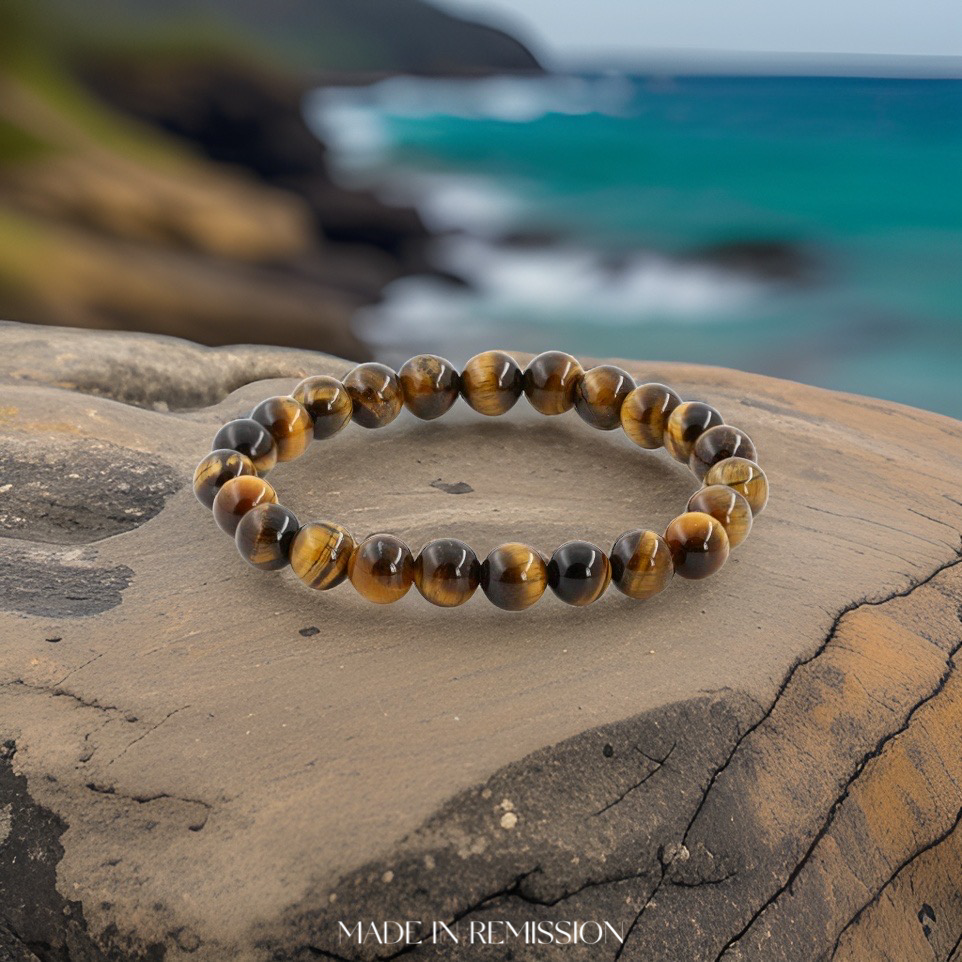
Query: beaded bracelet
{"type": "Point", "coordinates": [447, 572]}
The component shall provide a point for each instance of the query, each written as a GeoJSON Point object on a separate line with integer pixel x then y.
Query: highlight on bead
{"type": "Point", "coordinates": [719, 516]}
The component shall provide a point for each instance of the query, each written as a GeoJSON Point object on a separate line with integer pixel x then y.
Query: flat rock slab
{"type": "Point", "coordinates": [206, 761]}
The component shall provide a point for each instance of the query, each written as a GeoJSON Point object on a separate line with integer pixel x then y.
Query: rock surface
{"type": "Point", "coordinates": [204, 761]}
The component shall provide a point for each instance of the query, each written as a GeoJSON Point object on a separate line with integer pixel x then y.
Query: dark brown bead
{"type": "Point", "coordinates": [746, 477]}
{"type": "Point", "coordinates": [686, 424]}
{"type": "Point", "coordinates": [579, 572]}
{"type": "Point", "coordinates": [289, 425]}
{"type": "Point", "coordinates": [641, 564]}
{"type": "Point", "coordinates": [375, 394]}
{"type": "Point", "coordinates": [698, 543]}
{"type": "Point", "coordinates": [492, 382]}
{"type": "Point", "coordinates": [716, 444]}
{"type": "Point", "coordinates": [447, 572]}
{"type": "Point", "coordinates": [514, 576]}
{"type": "Point", "coordinates": [645, 413]}
{"type": "Point", "coordinates": [600, 394]}
{"type": "Point", "coordinates": [327, 402]}
{"type": "Point", "coordinates": [431, 385]}
{"type": "Point", "coordinates": [250, 438]}
{"type": "Point", "coordinates": [321, 553]}
{"type": "Point", "coordinates": [236, 497]}
{"type": "Point", "coordinates": [727, 506]}
{"type": "Point", "coordinates": [382, 568]}
{"type": "Point", "coordinates": [265, 534]}
{"type": "Point", "coordinates": [550, 381]}
{"type": "Point", "coordinates": [216, 469]}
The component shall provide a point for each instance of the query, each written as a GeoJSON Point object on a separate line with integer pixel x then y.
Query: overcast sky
{"type": "Point", "coordinates": [596, 29]}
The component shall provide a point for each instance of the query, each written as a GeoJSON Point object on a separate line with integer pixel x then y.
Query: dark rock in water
{"type": "Point", "coordinates": [775, 260]}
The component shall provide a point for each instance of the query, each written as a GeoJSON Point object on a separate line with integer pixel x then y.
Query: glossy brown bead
{"type": "Point", "coordinates": [641, 564]}
{"type": "Point", "coordinates": [381, 568]}
{"type": "Point", "coordinates": [686, 424]}
{"type": "Point", "coordinates": [376, 394]}
{"type": "Point", "coordinates": [718, 443]}
{"type": "Point", "coordinates": [746, 477]}
{"type": "Point", "coordinates": [514, 576]}
{"type": "Point", "coordinates": [550, 381]}
{"type": "Point", "coordinates": [644, 415]}
{"type": "Point", "coordinates": [321, 553]}
{"type": "Point", "coordinates": [236, 497]}
{"type": "Point", "coordinates": [600, 394]}
{"type": "Point", "coordinates": [430, 384]}
{"type": "Point", "coordinates": [579, 572]}
{"type": "Point", "coordinates": [327, 402]}
{"type": "Point", "coordinates": [265, 534]}
{"type": "Point", "coordinates": [728, 507]}
{"type": "Point", "coordinates": [250, 438]}
{"type": "Point", "coordinates": [289, 425]}
{"type": "Point", "coordinates": [698, 544]}
{"type": "Point", "coordinates": [491, 383]}
{"type": "Point", "coordinates": [218, 468]}
{"type": "Point", "coordinates": [447, 572]}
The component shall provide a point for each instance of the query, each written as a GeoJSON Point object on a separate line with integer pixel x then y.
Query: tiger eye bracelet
{"type": "Point", "coordinates": [230, 481]}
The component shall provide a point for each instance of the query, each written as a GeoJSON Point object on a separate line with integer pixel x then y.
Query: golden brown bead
{"type": "Point", "coordinates": [717, 443]}
{"type": "Point", "coordinates": [746, 477]}
{"type": "Point", "coordinates": [237, 497]}
{"type": "Point", "coordinates": [644, 415]}
{"type": "Point", "coordinates": [289, 425]}
{"type": "Point", "coordinates": [216, 469]}
{"type": "Point", "coordinates": [514, 576]}
{"type": "Point", "coordinates": [641, 564]}
{"type": "Point", "coordinates": [447, 572]}
{"type": "Point", "coordinates": [491, 383]}
{"type": "Point", "coordinates": [430, 385]}
{"type": "Point", "coordinates": [321, 553]}
{"type": "Point", "coordinates": [728, 507]}
{"type": "Point", "coordinates": [698, 544]}
{"type": "Point", "coordinates": [578, 573]}
{"type": "Point", "coordinates": [550, 381]}
{"type": "Point", "coordinates": [686, 424]}
{"type": "Point", "coordinates": [327, 402]}
{"type": "Point", "coordinates": [381, 568]}
{"type": "Point", "coordinates": [264, 536]}
{"type": "Point", "coordinates": [375, 394]}
{"type": "Point", "coordinates": [250, 438]}
{"type": "Point", "coordinates": [600, 394]}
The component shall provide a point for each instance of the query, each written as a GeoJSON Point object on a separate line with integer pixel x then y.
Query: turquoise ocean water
{"type": "Point", "coordinates": [808, 228]}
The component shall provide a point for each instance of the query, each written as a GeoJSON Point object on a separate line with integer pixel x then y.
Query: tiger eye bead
{"type": "Point", "coordinates": [579, 572]}
{"type": "Point", "coordinates": [600, 394]}
{"type": "Point", "coordinates": [644, 415]}
{"type": "Point", "coordinates": [430, 384]}
{"type": "Point", "coordinates": [218, 468]}
{"type": "Point", "coordinates": [327, 402]}
{"type": "Point", "coordinates": [686, 424]}
{"type": "Point", "coordinates": [718, 443]}
{"type": "Point", "coordinates": [250, 438]}
{"type": "Point", "coordinates": [726, 506]}
{"type": "Point", "coordinates": [320, 554]}
{"type": "Point", "coordinates": [550, 381]}
{"type": "Point", "coordinates": [289, 425]}
{"type": "Point", "coordinates": [698, 544]}
{"type": "Point", "coordinates": [491, 383]}
{"type": "Point", "coordinates": [746, 477]}
{"type": "Point", "coordinates": [514, 576]}
{"type": "Point", "coordinates": [375, 394]}
{"type": "Point", "coordinates": [447, 572]}
{"type": "Point", "coordinates": [381, 569]}
{"type": "Point", "coordinates": [264, 536]}
{"type": "Point", "coordinates": [641, 564]}
{"type": "Point", "coordinates": [237, 497]}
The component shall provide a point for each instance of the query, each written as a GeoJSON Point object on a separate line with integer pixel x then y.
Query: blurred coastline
{"type": "Point", "coordinates": [379, 178]}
